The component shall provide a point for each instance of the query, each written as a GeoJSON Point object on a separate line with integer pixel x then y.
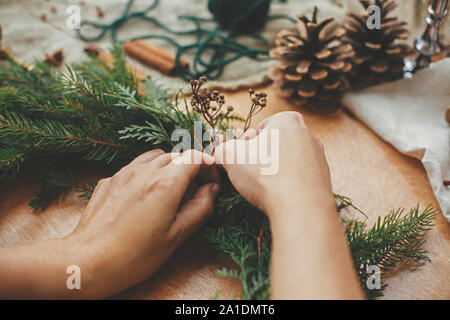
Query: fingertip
{"type": "Point", "coordinates": [181, 159]}
{"type": "Point", "coordinates": [214, 189]}
{"type": "Point", "coordinates": [218, 154]}
{"type": "Point", "coordinates": [207, 191]}
{"type": "Point", "coordinates": [190, 156]}
{"type": "Point", "coordinates": [285, 119]}
{"type": "Point", "coordinates": [208, 159]}
{"type": "Point", "coordinates": [249, 134]}
{"type": "Point", "coordinates": [194, 213]}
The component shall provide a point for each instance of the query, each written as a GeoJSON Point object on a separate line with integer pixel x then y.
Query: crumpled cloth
{"type": "Point", "coordinates": [410, 114]}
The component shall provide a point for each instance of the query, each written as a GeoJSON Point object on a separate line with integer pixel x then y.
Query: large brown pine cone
{"type": "Point", "coordinates": [379, 57]}
{"type": "Point", "coordinates": [312, 63]}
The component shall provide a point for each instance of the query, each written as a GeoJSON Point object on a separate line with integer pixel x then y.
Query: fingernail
{"type": "Point", "coordinates": [215, 188]}
{"type": "Point", "coordinates": [249, 134]}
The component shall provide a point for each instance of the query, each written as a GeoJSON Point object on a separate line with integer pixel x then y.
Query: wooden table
{"type": "Point", "coordinates": [363, 167]}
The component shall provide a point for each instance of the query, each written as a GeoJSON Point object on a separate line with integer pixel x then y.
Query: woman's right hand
{"type": "Point", "coordinates": [301, 176]}
{"type": "Point", "coordinates": [310, 255]}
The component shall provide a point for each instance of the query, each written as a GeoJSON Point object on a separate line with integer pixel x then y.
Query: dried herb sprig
{"type": "Point", "coordinates": [210, 104]}
{"type": "Point", "coordinates": [259, 102]}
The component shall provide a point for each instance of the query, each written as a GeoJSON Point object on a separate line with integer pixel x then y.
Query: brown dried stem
{"type": "Point", "coordinates": [259, 102]}
{"type": "Point", "coordinates": [210, 104]}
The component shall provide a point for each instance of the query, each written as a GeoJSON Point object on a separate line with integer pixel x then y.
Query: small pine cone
{"type": "Point", "coordinates": [312, 63]}
{"type": "Point", "coordinates": [379, 57]}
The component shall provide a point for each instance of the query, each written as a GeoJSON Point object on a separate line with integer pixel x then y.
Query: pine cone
{"type": "Point", "coordinates": [312, 63]}
{"type": "Point", "coordinates": [379, 57]}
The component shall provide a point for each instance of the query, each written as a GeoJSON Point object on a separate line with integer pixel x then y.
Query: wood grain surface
{"type": "Point", "coordinates": [365, 168]}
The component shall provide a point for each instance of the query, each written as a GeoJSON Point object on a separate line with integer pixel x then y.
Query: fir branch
{"type": "Point", "coordinates": [91, 110]}
{"type": "Point", "coordinates": [394, 239]}
{"type": "Point", "coordinates": [347, 202]}
{"type": "Point", "coordinates": [57, 183]}
{"type": "Point", "coordinates": [121, 73]}
{"type": "Point", "coordinates": [82, 92]}
{"type": "Point", "coordinates": [24, 101]}
{"type": "Point", "coordinates": [46, 135]}
{"type": "Point", "coordinates": [11, 160]}
{"type": "Point", "coordinates": [38, 80]}
{"type": "Point", "coordinates": [95, 70]}
{"type": "Point", "coordinates": [86, 189]}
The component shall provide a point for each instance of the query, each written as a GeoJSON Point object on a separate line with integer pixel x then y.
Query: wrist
{"type": "Point", "coordinates": [290, 211]}
{"type": "Point", "coordinates": [105, 268]}
{"type": "Point", "coordinates": [40, 271]}
{"type": "Point", "coordinates": [83, 253]}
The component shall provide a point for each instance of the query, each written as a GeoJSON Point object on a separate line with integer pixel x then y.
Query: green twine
{"type": "Point", "coordinates": [213, 49]}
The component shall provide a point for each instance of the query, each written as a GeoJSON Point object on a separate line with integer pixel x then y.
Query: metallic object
{"type": "Point", "coordinates": [429, 44]}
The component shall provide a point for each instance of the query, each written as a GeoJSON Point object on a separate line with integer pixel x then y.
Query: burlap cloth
{"type": "Point", "coordinates": [29, 37]}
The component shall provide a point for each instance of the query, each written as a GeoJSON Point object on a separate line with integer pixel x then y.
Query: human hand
{"type": "Point", "coordinates": [310, 256]}
{"type": "Point", "coordinates": [303, 177]}
{"type": "Point", "coordinates": [137, 218]}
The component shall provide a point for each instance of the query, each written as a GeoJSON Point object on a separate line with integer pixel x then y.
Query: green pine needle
{"type": "Point", "coordinates": [57, 183]}
{"type": "Point", "coordinates": [11, 160]}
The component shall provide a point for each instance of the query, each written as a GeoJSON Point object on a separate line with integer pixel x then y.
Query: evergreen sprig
{"type": "Point", "coordinates": [102, 115]}
{"type": "Point", "coordinates": [395, 238]}
{"type": "Point", "coordinates": [10, 160]}
{"type": "Point", "coordinates": [56, 183]}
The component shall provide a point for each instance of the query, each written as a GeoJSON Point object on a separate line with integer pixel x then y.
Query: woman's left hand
{"type": "Point", "coordinates": [137, 218]}
{"type": "Point", "coordinates": [132, 224]}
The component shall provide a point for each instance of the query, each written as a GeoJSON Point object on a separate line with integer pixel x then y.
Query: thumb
{"type": "Point", "coordinates": [194, 213]}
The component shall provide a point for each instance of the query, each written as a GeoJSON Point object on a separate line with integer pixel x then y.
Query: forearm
{"type": "Point", "coordinates": [311, 258]}
{"type": "Point", "coordinates": [38, 271]}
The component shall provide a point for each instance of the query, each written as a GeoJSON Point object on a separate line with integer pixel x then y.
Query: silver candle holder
{"type": "Point", "coordinates": [429, 43]}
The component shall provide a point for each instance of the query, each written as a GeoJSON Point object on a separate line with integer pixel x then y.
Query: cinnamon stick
{"type": "Point", "coordinates": [160, 51]}
{"type": "Point", "coordinates": [149, 58]}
